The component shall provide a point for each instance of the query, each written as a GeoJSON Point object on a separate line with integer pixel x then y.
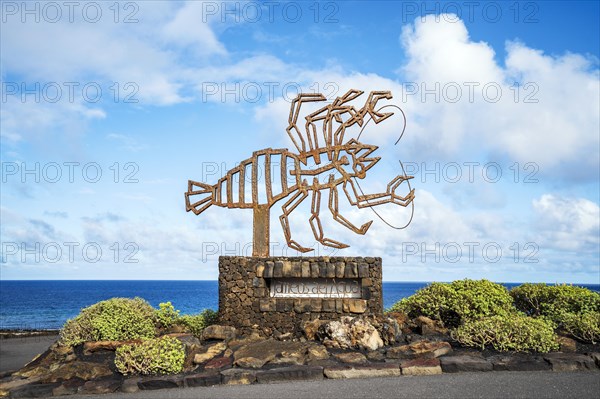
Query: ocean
{"type": "Point", "coordinates": [48, 304]}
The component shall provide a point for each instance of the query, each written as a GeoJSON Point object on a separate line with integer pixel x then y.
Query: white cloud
{"type": "Point", "coordinates": [558, 130]}
{"type": "Point", "coordinates": [442, 50]}
{"type": "Point", "coordinates": [122, 59]}
{"type": "Point", "coordinates": [567, 223]}
{"type": "Point", "coordinates": [190, 27]}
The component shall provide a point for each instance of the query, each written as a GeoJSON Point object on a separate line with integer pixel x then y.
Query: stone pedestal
{"type": "Point", "coordinates": [283, 292]}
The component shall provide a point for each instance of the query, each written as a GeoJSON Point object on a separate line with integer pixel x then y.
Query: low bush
{"type": "Point", "coordinates": [573, 309]}
{"type": "Point", "coordinates": [164, 355]}
{"type": "Point", "coordinates": [456, 302]}
{"type": "Point", "coordinates": [513, 332]}
{"type": "Point", "coordinates": [196, 323]}
{"type": "Point", "coordinates": [166, 315]}
{"type": "Point", "coordinates": [554, 300]}
{"type": "Point", "coordinates": [115, 319]}
{"type": "Point", "coordinates": [583, 326]}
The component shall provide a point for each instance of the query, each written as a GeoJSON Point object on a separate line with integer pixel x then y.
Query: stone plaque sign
{"type": "Point", "coordinates": [315, 288]}
{"type": "Point", "coordinates": [282, 293]}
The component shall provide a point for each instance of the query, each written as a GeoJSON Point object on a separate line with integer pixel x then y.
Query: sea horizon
{"type": "Point", "coordinates": [385, 281]}
{"type": "Point", "coordinates": [48, 304]}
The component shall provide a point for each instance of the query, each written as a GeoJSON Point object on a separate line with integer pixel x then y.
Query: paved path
{"type": "Point", "coordinates": [17, 352]}
{"type": "Point", "coordinates": [497, 384]}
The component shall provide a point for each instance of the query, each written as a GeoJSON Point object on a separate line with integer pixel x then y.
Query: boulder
{"type": "Point", "coordinates": [317, 352]}
{"type": "Point", "coordinates": [310, 328]}
{"type": "Point", "coordinates": [376, 356]}
{"type": "Point", "coordinates": [218, 363]}
{"type": "Point", "coordinates": [42, 362]}
{"type": "Point", "coordinates": [83, 370]}
{"type": "Point", "coordinates": [250, 362]}
{"type": "Point", "coordinates": [364, 336]}
{"type": "Point", "coordinates": [570, 362]}
{"type": "Point", "coordinates": [211, 352]}
{"type": "Point", "coordinates": [235, 344]}
{"type": "Point", "coordinates": [295, 357]}
{"type": "Point", "coordinates": [206, 379]}
{"type": "Point", "coordinates": [425, 349]}
{"type": "Point", "coordinates": [518, 362]}
{"type": "Point", "coordinates": [427, 326]}
{"type": "Point", "coordinates": [421, 366]}
{"type": "Point", "coordinates": [336, 334]}
{"type": "Point", "coordinates": [370, 371]}
{"type": "Point", "coordinates": [14, 382]}
{"type": "Point", "coordinates": [350, 333]}
{"type": "Point", "coordinates": [256, 354]}
{"type": "Point", "coordinates": [190, 341]}
{"type": "Point", "coordinates": [455, 364]}
{"type": "Point", "coordinates": [153, 383]}
{"type": "Point", "coordinates": [238, 377]}
{"type": "Point", "coordinates": [390, 331]}
{"type": "Point", "coordinates": [68, 387]}
{"type": "Point", "coordinates": [106, 385]}
{"type": "Point", "coordinates": [567, 344]}
{"type": "Point", "coordinates": [95, 346]}
{"type": "Point", "coordinates": [34, 391]}
{"type": "Point", "coordinates": [302, 373]}
{"type": "Point", "coordinates": [351, 357]}
{"type": "Point", "coordinates": [67, 353]}
{"type": "Point", "coordinates": [219, 332]}
{"type": "Point", "coordinates": [400, 318]}
{"type": "Point", "coordinates": [130, 385]}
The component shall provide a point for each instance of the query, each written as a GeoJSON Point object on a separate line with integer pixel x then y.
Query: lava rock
{"type": "Point", "coordinates": [455, 364]}
{"type": "Point", "coordinates": [219, 332]}
{"type": "Point", "coordinates": [421, 366]}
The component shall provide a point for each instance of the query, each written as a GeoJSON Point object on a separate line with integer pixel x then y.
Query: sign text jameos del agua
{"type": "Point", "coordinates": [315, 288]}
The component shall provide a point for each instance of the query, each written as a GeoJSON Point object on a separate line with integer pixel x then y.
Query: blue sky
{"type": "Point", "coordinates": [108, 111]}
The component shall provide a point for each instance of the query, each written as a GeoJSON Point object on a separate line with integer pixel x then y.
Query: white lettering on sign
{"type": "Point", "coordinates": [315, 288]}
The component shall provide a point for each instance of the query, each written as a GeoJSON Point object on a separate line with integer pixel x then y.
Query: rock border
{"type": "Point", "coordinates": [234, 363]}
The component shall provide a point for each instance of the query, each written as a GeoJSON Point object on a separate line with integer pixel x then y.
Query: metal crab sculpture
{"type": "Point", "coordinates": [334, 163]}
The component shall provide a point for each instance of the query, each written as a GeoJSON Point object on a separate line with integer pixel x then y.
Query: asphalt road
{"type": "Point", "coordinates": [497, 384]}
{"type": "Point", "coordinates": [17, 352]}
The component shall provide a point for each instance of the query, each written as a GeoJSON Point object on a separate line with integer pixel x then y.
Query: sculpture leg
{"type": "Point", "coordinates": [334, 208]}
{"type": "Point", "coordinates": [315, 223]}
{"type": "Point", "coordinates": [287, 208]}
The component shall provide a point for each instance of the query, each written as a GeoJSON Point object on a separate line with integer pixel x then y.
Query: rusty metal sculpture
{"type": "Point", "coordinates": [340, 162]}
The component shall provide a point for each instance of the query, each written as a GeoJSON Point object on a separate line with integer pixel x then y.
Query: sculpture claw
{"type": "Point", "coordinates": [294, 245]}
{"type": "Point", "coordinates": [365, 227]}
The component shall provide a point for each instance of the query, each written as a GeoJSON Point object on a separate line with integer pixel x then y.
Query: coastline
{"type": "Point", "coordinates": [23, 311]}
{"type": "Point", "coordinates": [26, 333]}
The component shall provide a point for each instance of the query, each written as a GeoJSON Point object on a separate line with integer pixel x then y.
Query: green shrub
{"type": "Point", "coordinates": [115, 319]}
{"type": "Point", "coordinates": [573, 309]}
{"type": "Point", "coordinates": [553, 301]}
{"type": "Point", "coordinates": [164, 355]}
{"type": "Point", "coordinates": [453, 303]}
{"type": "Point", "coordinates": [166, 315]}
{"type": "Point", "coordinates": [516, 332]}
{"type": "Point", "coordinates": [584, 326]}
{"type": "Point", "coordinates": [196, 323]}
